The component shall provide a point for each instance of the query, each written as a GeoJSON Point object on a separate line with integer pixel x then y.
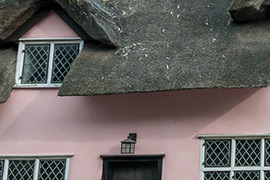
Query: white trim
{"type": "Point", "coordinates": [19, 66]}
{"type": "Point", "coordinates": [232, 155]}
{"type": "Point", "coordinates": [202, 152]}
{"type": "Point", "coordinates": [261, 174]}
{"type": "Point", "coordinates": [37, 86]}
{"type": "Point", "coordinates": [40, 156]}
{"type": "Point", "coordinates": [36, 169]}
{"type": "Point", "coordinates": [81, 46]}
{"type": "Point", "coordinates": [67, 168]}
{"type": "Point", "coordinates": [50, 65]}
{"type": "Point", "coordinates": [5, 174]}
{"type": "Point", "coordinates": [236, 136]}
{"type": "Point", "coordinates": [51, 39]}
{"type": "Point", "coordinates": [262, 158]}
{"type": "Point", "coordinates": [244, 168]}
{"type": "Point", "coordinates": [231, 175]}
{"type": "Point", "coordinates": [52, 42]}
{"type": "Point", "coordinates": [70, 41]}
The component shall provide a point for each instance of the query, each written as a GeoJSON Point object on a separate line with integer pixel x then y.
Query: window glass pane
{"type": "Point", "coordinates": [247, 175]}
{"type": "Point", "coordinates": [22, 169]}
{"type": "Point", "coordinates": [217, 175]}
{"type": "Point", "coordinates": [1, 169]}
{"type": "Point", "coordinates": [64, 56]}
{"type": "Point", "coordinates": [267, 152]}
{"type": "Point", "coordinates": [35, 66]}
{"type": "Point", "coordinates": [248, 152]}
{"type": "Point", "coordinates": [52, 170]}
{"type": "Point", "coordinates": [266, 175]}
{"type": "Point", "coordinates": [217, 153]}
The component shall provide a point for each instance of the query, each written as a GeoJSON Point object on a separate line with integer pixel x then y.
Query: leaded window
{"type": "Point", "coordinates": [43, 168]}
{"type": "Point", "coordinates": [21, 169]}
{"type": "Point", "coordinates": [217, 153]}
{"type": "Point", "coordinates": [1, 169]}
{"type": "Point", "coordinates": [247, 152]}
{"type": "Point", "coordinates": [267, 175]}
{"type": "Point", "coordinates": [52, 169]}
{"type": "Point", "coordinates": [35, 66]}
{"type": "Point", "coordinates": [235, 158]}
{"type": "Point", "coordinates": [267, 152]}
{"type": "Point", "coordinates": [64, 56]}
{"type": "Point", "coordinates": [247, 175]}
{"type": "Point", "coordinates": [217, 175]}
{"type": "Point", "coordinates": [45, 63]}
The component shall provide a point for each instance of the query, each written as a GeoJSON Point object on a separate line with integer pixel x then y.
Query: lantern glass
{"type": "Point", "coordinates": [127, 148]}
{"type": "Point", "coordinates": [132, 148]}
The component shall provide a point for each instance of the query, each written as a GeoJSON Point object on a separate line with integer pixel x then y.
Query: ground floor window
{"type": "Point", "coordinates": [242, 157]}
{"type": "Point", "coordinates": [136, 167]}
{"type": "Point", "coordinates": [34, 167]}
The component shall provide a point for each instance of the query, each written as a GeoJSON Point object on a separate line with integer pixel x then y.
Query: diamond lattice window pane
{"type": "Point", "coordinates": [248, 152]}
{"type": "Point", "coordinates": [52, 170]}
{"type": "Point", "coordinates": [267, 152]}
{"type": "Point", "coordinates": [217, 153]}
{"type": "Point", "coordinates": [35, 68]}
{"type": "Point", "coordinates": [217, 175]}
{"type": "Point", "coordinates": [1, 169]}
{"type": "Point", "coordinates": [64, 56]}
{"type": "Point", "coordinates": [266, 175]}
{"type": "Point", "coordinates": [21, 170]}
{"type": "Point", "coordinates": [247, 175]}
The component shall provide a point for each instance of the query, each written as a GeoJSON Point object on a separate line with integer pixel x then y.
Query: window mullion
{"type": "Point", "coordinates": [67, 168]}
{"type": "Point", "coordinates": [5, 174]}
{"type": "Point", "coordinates": [202, 159]}
{"type": "Point", "coordinates": [232, 159]}
{"type": "Point", "coordinates": [50, 67]}
{"type": "Point", "coordinates": [21, 55]}
{"type": "Point", "coordinates": [262, 158]}
{"type": "Point", "coordinates": [81, 46]}
{"type": "Point", "coordinates": [36, 169]}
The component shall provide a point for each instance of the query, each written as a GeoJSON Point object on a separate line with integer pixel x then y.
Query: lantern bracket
{"type": "Point", "coordinates": [132, 136]}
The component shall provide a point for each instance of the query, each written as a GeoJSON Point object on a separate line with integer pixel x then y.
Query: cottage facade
{"type": "Point", "coordinates": [202, 108]}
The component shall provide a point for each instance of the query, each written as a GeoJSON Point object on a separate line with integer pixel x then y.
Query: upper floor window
{"type": "Point", "coordinates": [45, 63]}
{"type": "Point", "coordinates": [47, 50]}
{"type": "Point", "coordinates": [235, 158]}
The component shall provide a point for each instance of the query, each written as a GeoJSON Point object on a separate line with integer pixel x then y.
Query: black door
{"type": "Point", "coordinates": [132, 167]}
{"type": "Point", "coordinates": [134, 171]}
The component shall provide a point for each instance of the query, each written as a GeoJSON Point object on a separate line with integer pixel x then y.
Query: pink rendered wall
{"type": "Point", "coordinates": [51, 26]}
{"type": "Point", "coordinates": [36, 121]}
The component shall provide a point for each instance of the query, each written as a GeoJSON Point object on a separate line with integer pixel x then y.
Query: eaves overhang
{"type": "Point", "coordinates": [174, 46]}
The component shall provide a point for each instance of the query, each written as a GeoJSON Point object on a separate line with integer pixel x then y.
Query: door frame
{"type": "Point", "coordinates": [108, 161]}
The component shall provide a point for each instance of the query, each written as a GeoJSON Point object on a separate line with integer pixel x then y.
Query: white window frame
{"type": "Point", "coordinates": [50, 41]}
{"type": "Point", "coordinates": [36, 158]}
{"type": "Point", "coordinates": [232, 168]}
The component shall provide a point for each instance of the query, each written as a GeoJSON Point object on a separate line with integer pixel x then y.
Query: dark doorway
{"type": "Point", "coordinates": [135, 167]}
{"type": "Point", "coordinates": [134, 171]}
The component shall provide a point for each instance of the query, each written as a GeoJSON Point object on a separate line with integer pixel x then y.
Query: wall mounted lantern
{"type": "Point", "coordinates": [128, 145]}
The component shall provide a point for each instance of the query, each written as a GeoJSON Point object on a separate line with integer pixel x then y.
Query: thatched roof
{"type": "Point", "coordinates": [247, 10]}
{"type": "Point", "coordinates": [173, 45]}
{"type": "Point", "coordinates": [90, 16]}
{"type": "Point", "coordinates": [18, 16]}
{"type": "Point", "coordinates": [7, 72]}
{"type": "Point", "coordinates": [158, 45]}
